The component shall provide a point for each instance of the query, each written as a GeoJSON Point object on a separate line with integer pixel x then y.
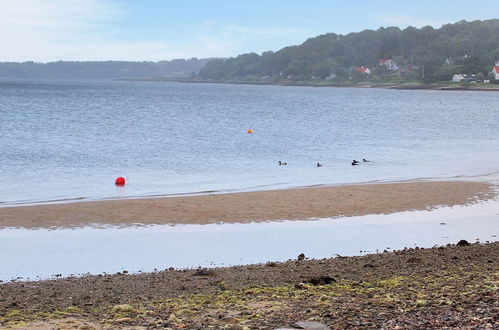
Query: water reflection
{"type": "Point", "coordinates": [44, 253]}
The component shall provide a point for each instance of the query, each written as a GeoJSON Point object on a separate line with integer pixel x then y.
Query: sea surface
{"type": "Point", "coordinates": [69, 140]}
{"type": "Point", "coordinates": [66, 140]}
{"type": "Point", "coordinates": [27, 254]}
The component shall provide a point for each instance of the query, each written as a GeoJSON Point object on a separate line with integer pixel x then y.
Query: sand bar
{"type": "Point", "coordinates": [292, 204]}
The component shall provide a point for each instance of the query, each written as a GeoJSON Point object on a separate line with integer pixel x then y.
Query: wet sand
{"type": "Point", "coordinates": [291, 204]}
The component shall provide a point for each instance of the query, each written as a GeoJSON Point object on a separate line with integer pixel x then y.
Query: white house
{"type": "Point", "coordinates": [389, 63]}
{"type": "Point", "coordinates": [495, 71]}
{"type": "Point", "coordinates": [458, 77]}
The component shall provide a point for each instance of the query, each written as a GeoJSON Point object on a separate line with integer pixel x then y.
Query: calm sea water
{"type": "Point", "coordinates": [35, 254]}
{"type": "Point", "coordinates": [70, 139]}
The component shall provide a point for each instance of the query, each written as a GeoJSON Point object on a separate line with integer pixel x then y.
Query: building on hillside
{"type": "Point", "coordinates": [364, 69]}
{"type": "Point", "coordinates": [468, 78]}
{"type": "Point", "coordinates": [389, 63]}
{"type": "Point", "coordinates": [495, 70]}
{"type": "Point", "coordinates": [458, 77]}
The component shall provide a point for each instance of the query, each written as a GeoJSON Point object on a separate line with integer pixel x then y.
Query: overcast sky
{"type": "Point", "coordinates": [151, 30]}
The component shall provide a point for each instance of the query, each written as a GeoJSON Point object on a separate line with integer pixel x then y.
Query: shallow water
{"type": "Point", "coordinates": [69, 139]}
{"type": "Point", "coordinates": [35, 254]}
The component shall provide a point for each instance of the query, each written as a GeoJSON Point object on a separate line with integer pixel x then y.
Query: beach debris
{"type": "Point", "coordinates": [249, 131]}
{"type": "Point", "coordinates": [302, 286]}
{"type": "Point", "coordinates": [123, 308]}
{"type": "Point", "coordinates": [463, 242]}
{"type": "Point", "coordinates": [311, 325]}
{"type": "Point", "coordinates": [414, 260]}
{"type": "Point", "coordinates": [321, 280]}
{"type": "Point", "coordinates": [205, 272]}
{"type": "Point", "coordinates": [300, 257]}
{"type": "Point", "coordinates": [120, 181]}
{"type": "Point", "coordinates": [236, 327]}
{"type": "Point", "coordinates": [123, 320]}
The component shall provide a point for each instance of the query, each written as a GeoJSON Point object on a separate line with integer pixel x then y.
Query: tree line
{"type": "Point", "coordinates": [426, 53]}
{"type": "Point", "coordinates": [179, 68]}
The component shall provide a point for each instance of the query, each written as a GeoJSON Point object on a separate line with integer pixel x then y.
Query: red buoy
{"type": "Point", "coordinates": [120, 181]}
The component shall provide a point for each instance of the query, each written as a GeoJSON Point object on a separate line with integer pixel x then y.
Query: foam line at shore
{"type": "Point", "coordinates": [488, 177]}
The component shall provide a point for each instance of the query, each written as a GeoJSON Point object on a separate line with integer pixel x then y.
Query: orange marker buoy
{"type": "Point", "coordinates": [120, 181]}
{"type": "Point", "coordinates": [249, 130]}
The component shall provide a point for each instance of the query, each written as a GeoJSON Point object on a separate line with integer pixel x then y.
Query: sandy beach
{"type": "Point", "coordinates": [292, 204]}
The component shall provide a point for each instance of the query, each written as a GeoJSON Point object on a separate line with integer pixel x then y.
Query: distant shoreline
{"type": "Point", "coordinates": [439, 87]}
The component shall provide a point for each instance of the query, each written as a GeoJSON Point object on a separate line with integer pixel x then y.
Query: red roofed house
{"type": "Point", "coordinates": [364, 69]}
{"type": "Point", "coordinates": [495, 71]}
{"type": "Point", "coordinates": [389, 63]}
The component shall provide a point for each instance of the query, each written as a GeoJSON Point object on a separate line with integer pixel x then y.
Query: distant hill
{"type": "Point", "coordinates": [180, 68]}
{"type": "Point", "coordinates": [427, 53]}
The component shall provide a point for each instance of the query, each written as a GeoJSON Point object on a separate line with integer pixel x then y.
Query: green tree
{"type": "Point", "coordinates": [471, 45]}
{"type": "Point", "coordinates": [322, 70]}
{"type": "Point", "coordinates": [445, 72]}
{"type": "Point", "coordinates": [472, 65]}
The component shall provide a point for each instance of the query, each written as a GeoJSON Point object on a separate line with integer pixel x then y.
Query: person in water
{"type": "Point", "coordinates": [354, 162]}
{"type": "Point", "coordinates": [365, 160]}
{"type": "Point", "coordinates": [319, 164]}
{"type": "Point", "coordinates": [281, 163]}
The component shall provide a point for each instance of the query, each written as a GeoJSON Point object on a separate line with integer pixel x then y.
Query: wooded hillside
{"type": "Point", "coordinates": [462, 47]}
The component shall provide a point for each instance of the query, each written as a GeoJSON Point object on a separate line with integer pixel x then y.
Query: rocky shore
{"type": "Point", "coordinates": [442, 287]}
